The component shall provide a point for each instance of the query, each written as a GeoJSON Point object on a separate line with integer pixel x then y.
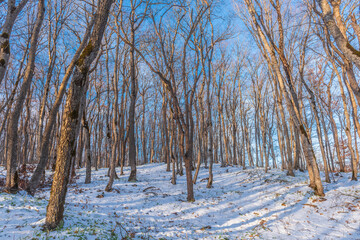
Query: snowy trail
{"type": "Point", "coordinates": [243, 204]}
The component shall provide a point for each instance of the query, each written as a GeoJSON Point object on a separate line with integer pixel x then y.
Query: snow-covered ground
{"type": "Point", "coordinates": [243, 204]}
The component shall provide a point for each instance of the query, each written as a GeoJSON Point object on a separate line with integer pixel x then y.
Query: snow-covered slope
{"type": "Point", "coordinates": [243, 204]}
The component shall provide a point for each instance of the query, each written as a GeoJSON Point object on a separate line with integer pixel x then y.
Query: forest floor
{"type": "Point", "coordinates": [243, 204]}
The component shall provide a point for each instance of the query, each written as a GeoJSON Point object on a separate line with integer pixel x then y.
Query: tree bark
{"type": "Point", "coordinates": [12, 13]}
{"type": "Point", "coordinates": [45, 141]}
{"type": "Point", "coordinates": [55, 208]}
{"type": "Point", "coordinates": [112, 174]}
{"type": "Point", "coordinates": [131, 119]}
{"type": "Point", "coordinates": [12, 135]}
{"type": "Point", "coordinates": [338, 31]}
{"type": "Point", "coordinates": [87, 149]}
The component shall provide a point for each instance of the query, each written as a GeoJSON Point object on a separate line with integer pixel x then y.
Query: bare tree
{"type": "Point", "coordinates": [6, 30]}
{"type": "Point", "coordinates": [71, 116]}
{"type": "Point", "coordinates": [12, 134]}
{"type": "Point", "coordinates": [43, 147]}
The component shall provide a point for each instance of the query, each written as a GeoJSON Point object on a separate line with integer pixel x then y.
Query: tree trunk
{"type": "Point", "coordinates": [45, 141]}
{"type": "Point", "coordinates": [12, 136]}
{"type": "Point", "coordinates": [55, 208]}
{"type": "Point", "coordinates": [319, 132]}
{"type": "Point", "coordinates": [12, 13]}
{"type": "Point", "coordinates": [210, 138]}
{"type": "Point", "coordinates": [87, 149]}
{"type": "Point", "coordinates": [187, 160]}
{"type": "Point", "coordinates": [80, 150]}
{"type": "Point", "coordinates": [165, 133]}
{"type": "Point", "coordinates": [112, 174]}
{"type": "Point", "coordinates": [131, 119]}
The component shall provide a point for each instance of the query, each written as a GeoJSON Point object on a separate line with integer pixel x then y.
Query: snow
{"type": "Point", "coordinates": [243, 204]}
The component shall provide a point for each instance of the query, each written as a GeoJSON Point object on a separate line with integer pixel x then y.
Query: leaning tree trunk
{"type": "Point", "coordinates": [55, 208]}
{"type": "Point", "coordinates": [319, 131]}
{"type": "Point", "coordinates": [45, 140]}
{"type": "Point", "coordinates": [337, 29]}
{"type": "Point", "coordinates": [330, 110]}
{"type": "Point", "coordinates": [12, 135]}
{"type": "Point", "coordinates": [348, 133]}
{"type": "Point", "coordinates": [6, 29]}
